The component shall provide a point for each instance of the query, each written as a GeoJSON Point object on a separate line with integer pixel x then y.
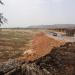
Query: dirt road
{"type": "Point", "coordinates": [61, 37]}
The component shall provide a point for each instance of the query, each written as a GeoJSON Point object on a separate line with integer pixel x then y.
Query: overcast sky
{"type": "Point", "coordinates": [37, 12]}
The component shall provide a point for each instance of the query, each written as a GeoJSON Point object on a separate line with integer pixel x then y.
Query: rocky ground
{"type": "Point", "coordinates": [60, 61]}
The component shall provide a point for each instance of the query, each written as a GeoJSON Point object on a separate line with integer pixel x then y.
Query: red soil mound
{"type": "Point", "coordinates": [41, 45]}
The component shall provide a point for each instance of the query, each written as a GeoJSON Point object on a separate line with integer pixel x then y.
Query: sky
{"type": "Point", "coordinates": [22, 13]}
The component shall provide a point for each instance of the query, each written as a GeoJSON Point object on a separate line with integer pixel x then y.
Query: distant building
{"type": "Point", "coordinates": [70, 32]}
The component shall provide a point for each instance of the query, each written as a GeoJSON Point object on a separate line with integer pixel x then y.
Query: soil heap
{"type": "Point", "coordinates": [41, 45]}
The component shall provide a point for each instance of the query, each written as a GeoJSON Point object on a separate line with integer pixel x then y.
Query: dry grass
{"type": "Point", "coordinates": [13, 43]}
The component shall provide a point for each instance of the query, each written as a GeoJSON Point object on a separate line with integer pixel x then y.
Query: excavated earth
{"type": "Point", "coordinates": [40, 46]}
{"type": "Point", "coordinates": [60, 60]}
